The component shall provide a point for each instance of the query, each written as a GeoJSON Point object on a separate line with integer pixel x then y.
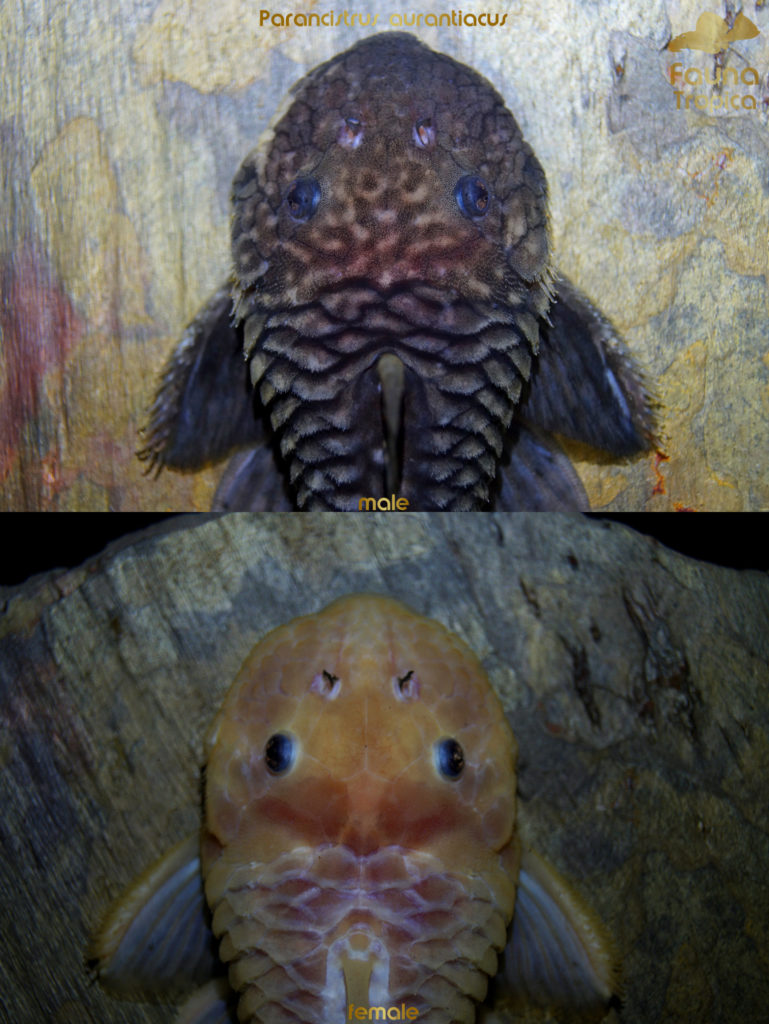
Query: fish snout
{"type": "Point", "coordinates": [362, 831]}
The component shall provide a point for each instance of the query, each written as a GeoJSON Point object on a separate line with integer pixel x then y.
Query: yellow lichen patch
{"type": "Point", "coordinates": [602, 484]}
{"type": "Point", "coordinates": [91, 244]}
{"type": "Point", "coordinates": [690, 482]}
{"type": "Point", "coordinates": [738, 215]}
{"type": "Point", "coordinates": [208, 46]}
{"type": "Point", "coordinates": [684, 389]}
{"type": "Point", "coordinates": [607, 483]}
{"type": "Point", "coordinates": [102, 376]}
{"type": "Point", "coordinates": [93, 466]}
{"type": "Point", "coordinates": [688, 996]}
{"type": "Point", "coordinates": [687, 400]}
{"type": "Point", "coordinates": [651, 289]}
{"type": "Point", "coordinates": [85, 494]}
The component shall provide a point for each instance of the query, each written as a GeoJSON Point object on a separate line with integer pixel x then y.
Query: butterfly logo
{"type": "Point", "coordinates": [713, 35]}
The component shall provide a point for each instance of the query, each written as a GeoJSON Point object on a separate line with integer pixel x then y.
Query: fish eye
{"type": "Point", "coordinates": [449, 758]}
{"type": "Point", "coordinates": [472, 196]}
{"type": "Point", "coordinates": [302, 198]}
{"type": "Point", "coordinates": [279, 752]}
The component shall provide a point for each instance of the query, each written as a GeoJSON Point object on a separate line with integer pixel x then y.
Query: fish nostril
{"type": "Point", "coordinates": [472, 196]}
{"type": "Point", "coordinates": [326, 684]}
{"type": "Point", "coordinates": [279, 753]}
{"type": "Point", "coordinates": [406, 687]}
{"type": "Point", "coordinates": [351, 133]}
{"type": "Point", "coordinates": [449, 758]}
{"type": "Point", "coordinates": [424, 133]}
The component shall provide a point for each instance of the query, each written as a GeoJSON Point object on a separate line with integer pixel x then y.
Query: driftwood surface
{"type": "Point", "coordinates": [635, 680]}
{"type": "Point", "coordinates": [123, 122]}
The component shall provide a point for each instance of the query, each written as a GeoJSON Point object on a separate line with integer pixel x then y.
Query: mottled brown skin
{"type": "Point", "coordinates": [389, 263]}
{"type": "Point", "coordinates": [397, 211]}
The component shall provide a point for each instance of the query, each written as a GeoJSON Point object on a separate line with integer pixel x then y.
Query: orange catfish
{"type": "Point", "coordinates": [359, 851]}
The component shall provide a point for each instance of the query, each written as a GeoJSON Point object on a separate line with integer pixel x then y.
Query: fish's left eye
{"type": "Point", "coordinates": [449, 758]}
{"type": "Point", "coordinates": [279, 752]}
{"type": "Point", "coordinates": [472, 196]}
{"type": "Point", "coordinates": [303, 198]}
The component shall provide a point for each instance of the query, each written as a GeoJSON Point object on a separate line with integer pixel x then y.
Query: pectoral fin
{"type": "Point", "coordinates": [214, 1003]}
{"type": "Point", "coordinates": [203, 409]}
{"type": "Point", "coordinates": [559, 953]}
{"type": "Point", "coordinates": [252, 483]}
{"type": "Point", "coordinates": [156, 938]}
{"type": "Point", "coordinates": [583, 384]}
{"type": "Point", "coordinates": [537, 476]}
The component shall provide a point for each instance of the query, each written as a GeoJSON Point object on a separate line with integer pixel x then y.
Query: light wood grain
{"type": "Point", "coordinates": [123, 123]}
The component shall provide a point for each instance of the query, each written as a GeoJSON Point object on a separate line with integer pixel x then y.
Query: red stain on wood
{"type": "Point", "coordinates": [39, 327]}
{"type": "Point", "coordinates": [659, 458]}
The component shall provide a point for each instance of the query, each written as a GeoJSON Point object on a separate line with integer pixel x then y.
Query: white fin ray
{"type": "Point", "coordinates": [559, 953]}
{"type": "Point", "coordinates": [156, 938]}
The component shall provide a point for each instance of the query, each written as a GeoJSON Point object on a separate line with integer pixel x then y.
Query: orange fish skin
{"type": "Point", "coordinates": [361, 874]}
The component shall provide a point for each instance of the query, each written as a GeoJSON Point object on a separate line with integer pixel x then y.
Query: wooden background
{"type": "Point", "coordinates": [123, 121]}
{"type": "Point", "coordinates": [635, 681]}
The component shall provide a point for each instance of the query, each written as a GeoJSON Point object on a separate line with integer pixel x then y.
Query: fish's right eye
{"type": "Point", "coordinates": [279, 753]}
{"type": "Point", "coordinates": [303, 198]}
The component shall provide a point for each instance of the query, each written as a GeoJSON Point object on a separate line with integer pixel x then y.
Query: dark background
{"type": "Point", "coordinates": [34, 543]}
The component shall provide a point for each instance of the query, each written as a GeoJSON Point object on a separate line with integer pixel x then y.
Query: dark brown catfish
{"type": "Point", "coordinates": [392, 296]}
